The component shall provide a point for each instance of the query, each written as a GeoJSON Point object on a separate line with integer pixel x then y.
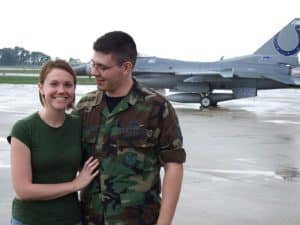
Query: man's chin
{"type": "Point", "coordinates": [101, 87]}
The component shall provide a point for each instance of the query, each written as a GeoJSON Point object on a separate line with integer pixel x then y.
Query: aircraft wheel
{"type": "Point", "coordinates": [205, 101]}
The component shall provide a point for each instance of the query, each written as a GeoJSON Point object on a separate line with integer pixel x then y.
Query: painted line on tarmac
{"type": "Point", "coordinates": [282, 122]}
{"type": "Point", "coordinates": [240, 172]}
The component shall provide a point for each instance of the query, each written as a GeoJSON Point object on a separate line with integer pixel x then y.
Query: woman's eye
{"type": "Point", "coordinates": [68, 85]}
{"type": "Point", "coordinates": [53, 84]}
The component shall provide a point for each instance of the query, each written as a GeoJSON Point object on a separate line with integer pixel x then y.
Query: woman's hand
{"type": "Point", "coordinates": [87, 173]}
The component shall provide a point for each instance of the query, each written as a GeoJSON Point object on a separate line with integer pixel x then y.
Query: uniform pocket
{"type": "Point", "coordinates": [139, 138]}
{"type": "Point", "coordinates": [136, 149]}
{"type": "Point", "coordinates": [131, 158]}
{"type": "Point", "coordinates": [132, 149]}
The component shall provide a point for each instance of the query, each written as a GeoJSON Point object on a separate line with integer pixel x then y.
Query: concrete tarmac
{"type": "Point", "coordinates": [243, 158]}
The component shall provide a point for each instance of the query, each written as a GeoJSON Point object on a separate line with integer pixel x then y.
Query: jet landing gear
{"type": "Point", "coordinates": [206, 101]}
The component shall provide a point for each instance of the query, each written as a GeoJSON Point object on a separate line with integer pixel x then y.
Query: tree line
{"type": "Point", "coordinates": [19, 56]}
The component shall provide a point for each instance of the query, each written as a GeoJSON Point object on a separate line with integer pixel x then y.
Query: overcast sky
{"type": "Point", "coordinates": [179, 29]}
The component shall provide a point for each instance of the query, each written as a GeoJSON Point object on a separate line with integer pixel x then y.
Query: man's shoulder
{"type": "Point", "coordinates": [90, 99]}
{"type": "Point", "coordinates": [157, 100]}
{"type": "Point", "coordinates": [89, 96]}
{"type": "Point", "coordinates": [151, 95]}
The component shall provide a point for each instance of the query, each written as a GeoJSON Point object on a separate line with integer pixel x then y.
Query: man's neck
{"type": "Point", "coordinates": [123, 91]}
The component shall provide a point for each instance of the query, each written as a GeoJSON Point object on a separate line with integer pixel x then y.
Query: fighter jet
{"type": "Point", "coordinates": [272, 66]}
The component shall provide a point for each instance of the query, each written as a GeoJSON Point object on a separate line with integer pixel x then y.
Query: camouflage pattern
{"type": "Point", "coordinates": [132, 143]}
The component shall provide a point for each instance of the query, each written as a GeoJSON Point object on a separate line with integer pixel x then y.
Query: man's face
{"type": "Point", "coordinates": [108, 72]}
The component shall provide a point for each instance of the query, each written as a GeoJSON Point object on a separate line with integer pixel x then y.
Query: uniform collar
{"type": "Point", "coordinates": [129, 100]}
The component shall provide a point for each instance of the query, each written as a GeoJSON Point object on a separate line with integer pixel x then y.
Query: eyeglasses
{"type": "Point", "coordinates": [101, 67]}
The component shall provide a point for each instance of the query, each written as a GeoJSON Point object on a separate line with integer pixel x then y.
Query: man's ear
{"type": "Point", "coordinates": [128, 67]}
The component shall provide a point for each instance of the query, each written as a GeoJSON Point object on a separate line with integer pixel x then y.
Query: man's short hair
{"type": "Point", "coordinates": [118, 43]}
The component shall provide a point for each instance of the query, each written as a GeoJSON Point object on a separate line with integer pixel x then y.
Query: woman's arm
{"type": "Point", "coordinates": [21, 173]}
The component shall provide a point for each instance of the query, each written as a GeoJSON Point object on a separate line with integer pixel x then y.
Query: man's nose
{"type": "Point", "coordinates": [95, 72]}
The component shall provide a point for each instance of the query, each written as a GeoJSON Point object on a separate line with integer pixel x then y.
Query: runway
{"type": "Point", "coordinates": [243, 158]}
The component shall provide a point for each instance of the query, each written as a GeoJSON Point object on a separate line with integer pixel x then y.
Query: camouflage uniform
{"type": "Point", "coordinates": [132, 143]}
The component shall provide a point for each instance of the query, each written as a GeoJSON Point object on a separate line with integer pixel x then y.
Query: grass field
{"type": "Point", "coordinates": [34, 80]}
{"type": "Point", "coordinates": [21, 70]}
{"type": "Point", "coordinates": [29, 75]}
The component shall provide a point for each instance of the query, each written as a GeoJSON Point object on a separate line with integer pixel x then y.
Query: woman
{"type": "Point", "coordinates": [46, 155]}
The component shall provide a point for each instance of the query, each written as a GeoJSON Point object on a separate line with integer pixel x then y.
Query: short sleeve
{"type": "Point", "coordinates": [21, 131]}
{"type": "Point", "coordinates": [171, 148]}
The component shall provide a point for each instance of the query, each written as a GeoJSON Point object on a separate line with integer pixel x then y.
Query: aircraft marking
{"type": "Point", "coordinates": [289, 52]}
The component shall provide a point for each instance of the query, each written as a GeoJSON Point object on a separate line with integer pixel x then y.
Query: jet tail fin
{"type": "Point", "coordinates": [286, 43]}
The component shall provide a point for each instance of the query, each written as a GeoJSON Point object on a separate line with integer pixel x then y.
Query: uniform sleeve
{"type": "Point", "coordinates": [87, 102]}
{"type": "Point", "coordinates": [21, 131]}
{"type": "Point", "coordinates": [75, 111]}
{"type": "Point", "coordinates": [171, 149]}
{"type": "Point", "coordinates": [77, 108]}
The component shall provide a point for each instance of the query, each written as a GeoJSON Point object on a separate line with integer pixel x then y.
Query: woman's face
{"type": "Point", "coordinates": [58, 89]}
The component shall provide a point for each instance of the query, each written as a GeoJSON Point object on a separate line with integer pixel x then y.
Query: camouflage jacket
{"type": "Point", "coordinates": [132, 143]}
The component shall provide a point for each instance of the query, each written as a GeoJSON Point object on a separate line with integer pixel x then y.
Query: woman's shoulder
{"type": "Point", "coordinates": [73, 118]}
{"type": "Point", "coordinates": [27, 120]}
{"type": "Point", "coordinates": [22, 128]}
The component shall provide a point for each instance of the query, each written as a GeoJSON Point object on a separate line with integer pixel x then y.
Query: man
{"type": "Point", "coordinates": [133, 131]}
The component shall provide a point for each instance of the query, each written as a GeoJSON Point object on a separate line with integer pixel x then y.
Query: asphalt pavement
{"type": "Point", "coordinates": [243, 157]}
